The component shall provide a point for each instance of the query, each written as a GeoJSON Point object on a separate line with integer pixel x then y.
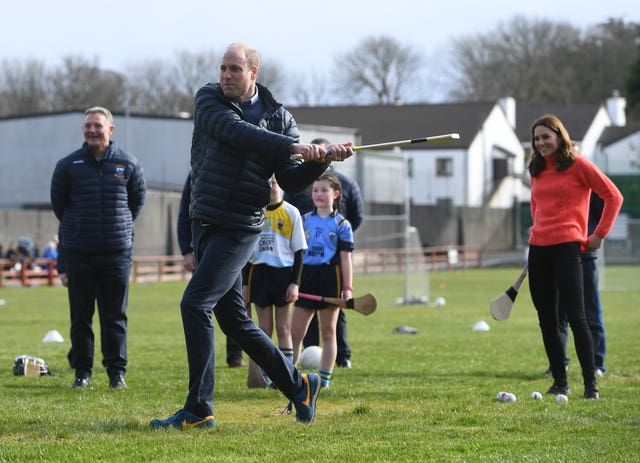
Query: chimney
{"type": "Point", "coordinates": [615, 108]}
{"type": "Point", "coordinates": [508, 105]}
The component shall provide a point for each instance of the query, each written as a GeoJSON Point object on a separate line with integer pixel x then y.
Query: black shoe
{"type": "Point", "coordinates": [81, 382]}
{"type": "Point", "coordinates": [555, 390]}
{"type": "Point", "coordinates": [591, 393]}
{"type": "Point", "coordinates": [344, 363]}
{"type": "Point", "coordinates": [117, 382]}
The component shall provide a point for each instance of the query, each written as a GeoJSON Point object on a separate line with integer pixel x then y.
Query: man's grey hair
{"type": "Point", "coordinates": [99, 109]}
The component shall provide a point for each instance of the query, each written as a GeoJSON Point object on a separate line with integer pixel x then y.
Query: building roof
{"type": "Point", "coordinates": [385, 123]}
{"type": "Point", "coordinates": [81, 113]}
{"type": "Point", "coordinates": [612, 134]}
{"type": "Point", "coordinates": [577, 118]}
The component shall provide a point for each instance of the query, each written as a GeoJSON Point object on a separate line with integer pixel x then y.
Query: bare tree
{"type": "Point", "coordinates": [152, 89]}
{"type": "Point", "coordinates": [155, 87]}
{"type": "Point", "coordinates": [168, 87]}
{"type": "Point", "coordinates": [542, 61]}
{"type": "Point", "coordinates": [24, 88]}
{"type": "Point", "coordinates": [609, 50]}
{"type": "Point", "coordinates": [518, 59]}
{"type": "Point", "coordinates": [379, 69]}
{"type": "Point", "coordinates": [79, 83]}
{"type": "Point", "coordinates": [191, 71]}
{"type": "Point", "coordinates": [271, 76]}
{"type": "Point", "coordinates": [311, 89]}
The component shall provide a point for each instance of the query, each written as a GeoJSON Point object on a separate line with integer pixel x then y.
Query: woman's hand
{"type": "Point", "coordinates": [593, 243]}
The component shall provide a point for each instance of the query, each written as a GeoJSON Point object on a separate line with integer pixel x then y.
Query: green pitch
{"type": "Point", "coordinates": [429, 396]}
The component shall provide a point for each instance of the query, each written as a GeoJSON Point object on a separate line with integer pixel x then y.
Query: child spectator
{"type": "Point", "coordinates": [274, 271]}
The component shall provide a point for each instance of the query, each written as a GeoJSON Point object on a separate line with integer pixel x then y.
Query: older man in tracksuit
{"type": "Point", "coordinates": [96, 194]}
{"type": "Point", "coordinates": [241, 137]}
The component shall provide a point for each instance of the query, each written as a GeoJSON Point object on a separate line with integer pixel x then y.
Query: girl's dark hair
{"type": "Point", "coordinates": [566, 155]}
{"type": "Point", "coordinates": [333, 183]}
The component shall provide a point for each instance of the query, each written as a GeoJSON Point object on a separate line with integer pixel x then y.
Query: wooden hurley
{"type": "Point", "coordinates": [500, 307]}
{"type": "Point", "coordinates": [365, 305]}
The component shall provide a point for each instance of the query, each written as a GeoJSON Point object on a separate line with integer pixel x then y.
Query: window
{"type": "Point", "coordinates": [444, 167]}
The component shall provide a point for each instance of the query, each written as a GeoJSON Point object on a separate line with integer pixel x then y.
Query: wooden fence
{"type": "Point", "coordinates": [169, 268]}
{"type": "Point", "coordinates": [31, 273]}
{"type": "Point", "coordinates": [370, 261]}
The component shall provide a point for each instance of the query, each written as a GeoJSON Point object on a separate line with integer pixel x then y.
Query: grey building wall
{"type": "Point", "coordinates": [491, 229]}
{"type": "Point", "coordinates": [155, 228]}
{"type": "Point", "coordinates": [31, 146]}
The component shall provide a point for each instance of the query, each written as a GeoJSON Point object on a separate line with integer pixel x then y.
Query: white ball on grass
{"type": "Point", "coordinates": [562, 399]}
{"type": "Point", "coordinates": [440, 301]}
{"type": "Point", "coordinates": [310, 358]}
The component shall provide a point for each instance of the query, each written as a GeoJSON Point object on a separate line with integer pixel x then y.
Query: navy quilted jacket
{"type": "Point", "coordinates": [232, 160]}
{"type": "Point", "coordinates": [97, 201]}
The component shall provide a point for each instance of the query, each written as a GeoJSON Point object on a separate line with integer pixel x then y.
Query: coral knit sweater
{"type": "Point", "coordinates": [560, 202]}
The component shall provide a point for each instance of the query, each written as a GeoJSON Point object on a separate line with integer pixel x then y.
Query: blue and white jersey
{"type": "Point", "coordinates": [280, 238]}
{"type": "Point", "coordinates": [326, 237]}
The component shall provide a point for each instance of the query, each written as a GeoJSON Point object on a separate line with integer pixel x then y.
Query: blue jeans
{"type": "Point", "coordinates": [216, 288]}
{"type": "Point", "coordinates": [592, 310]}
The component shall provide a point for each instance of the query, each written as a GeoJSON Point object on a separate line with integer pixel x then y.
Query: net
{"type": "Point", "coordinates": [416, 271]}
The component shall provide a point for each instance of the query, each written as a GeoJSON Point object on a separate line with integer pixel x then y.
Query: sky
{"type": "Point", "coordinates": [302, 37]}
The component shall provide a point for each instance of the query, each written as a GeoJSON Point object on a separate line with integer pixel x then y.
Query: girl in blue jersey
{"type": "Point", "coordinates": [327, 270]}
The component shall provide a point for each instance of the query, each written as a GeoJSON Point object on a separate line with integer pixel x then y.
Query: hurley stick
{"type": "Point", "coordinates": [500, 307]}
{"type": "Point", "coordinates": [391, 144]}
{"type": "Point", "coordinates": [365, 305]}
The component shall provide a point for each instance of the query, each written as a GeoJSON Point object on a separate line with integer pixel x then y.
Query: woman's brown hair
{"type": "Point", "coordinates": [566, 156]}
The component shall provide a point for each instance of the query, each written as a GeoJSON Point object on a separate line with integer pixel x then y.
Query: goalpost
{"type": "Point", "coordinates": [416, 270]}
{"type": "Point", "coordinates": [395, 231]}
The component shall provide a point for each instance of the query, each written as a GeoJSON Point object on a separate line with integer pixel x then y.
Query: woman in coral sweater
{"type": "Point", "coordinates": [561, 183]}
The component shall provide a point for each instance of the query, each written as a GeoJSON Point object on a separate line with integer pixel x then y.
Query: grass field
{"type": "Point", "coordinates": [423, 397]}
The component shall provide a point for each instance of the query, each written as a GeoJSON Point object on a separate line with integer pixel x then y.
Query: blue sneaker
{"type": "Point", "coordinates": [305, 400]}
{"type": "Point", "coordinates": [183, 420]}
